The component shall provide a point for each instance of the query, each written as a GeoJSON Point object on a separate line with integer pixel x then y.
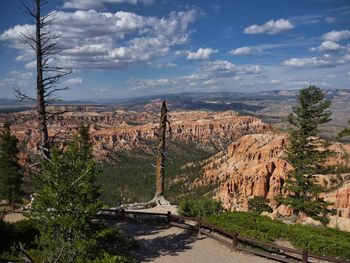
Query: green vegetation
{"type": "Point", "coordinates": [23, 231]}
{"type": "Point", "coordinates": [62, 225]}
{"type": "Point", "coordinates": [10, 171]}
{"type": "Point", "coordinates": [199, 207]}
{"type": "Point", "coordinates": [131, 178]}
{"type": "Point", "coordinates": [259, 204]}
{"type": "Point", "coordinates": [67, 201]}
{"type": "Point", "coordinates": [318, 240]}
{"type": "Point", "coordinates": [345, 132]}
{"type": "Point", "coordinates": [307, 153]}
{"type": "Point", "coordinates": [67, 204]}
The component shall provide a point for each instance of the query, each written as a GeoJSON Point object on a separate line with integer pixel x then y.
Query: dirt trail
{"type": "Point", "coordinates": [160, 243]}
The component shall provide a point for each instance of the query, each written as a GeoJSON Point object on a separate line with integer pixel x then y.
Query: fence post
{"type": "Point", "coordinates": [199, 229]}
{"type": "Point", "coordinates": [123, 212]}
{"type": "Point", "coordinates": [234, 241]}
{"type": "Point", "coordinates": [305, 255]}
{"type": "Point", "coordinates": [168, 217]}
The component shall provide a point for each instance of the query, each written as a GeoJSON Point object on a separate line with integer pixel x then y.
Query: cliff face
{"type": "Point", "coordinates": [254, 166]}
{"type": "Point", "coordinates": [120, 130]}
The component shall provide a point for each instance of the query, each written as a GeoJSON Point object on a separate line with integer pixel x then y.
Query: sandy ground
{"type": "Point", "coordinates": [13, 217]}
{"type": "Point", "coordinates": [159, 209]}
{"type": "Point", "coordinates": [163, 244]}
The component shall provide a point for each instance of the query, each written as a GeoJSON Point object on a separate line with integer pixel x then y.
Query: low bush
{"type": "Point", "coordinates": [23, 231]}
{"type": "Point", "coordinates": [318, 240]}
{"type": "Point", "coordinates": [259, 204]}
{"type": "Point", "coordinates": [199, 207]}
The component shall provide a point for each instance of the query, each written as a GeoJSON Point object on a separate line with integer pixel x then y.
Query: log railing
{"type": "Point", "coordinates": [230, 239]}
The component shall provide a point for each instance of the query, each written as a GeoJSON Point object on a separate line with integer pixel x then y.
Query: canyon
{"type": "Point", "coordinates": [254, 165]}
{"type": "Point", "coordinates": [249, 153]}
{"type": "Point", "coordinates": [113, 130]}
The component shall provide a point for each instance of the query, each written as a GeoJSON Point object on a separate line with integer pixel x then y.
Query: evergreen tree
{"type": "Point", "coordinates": [67, 202]}
{"type": "Point", "coordinates": [345, 132]}
{"type": "Point", "coordinates": [10, 170]}
{"type": "Point", "coordinates": [259, 204]}
{"type": "Point", "coordinates": [307, 154]}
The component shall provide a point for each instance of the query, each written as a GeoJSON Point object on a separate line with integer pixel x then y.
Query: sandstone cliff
{"type": "Point", "coordinates": [254, 166]}
{"type": "Point", "coordinates": [119, 130]}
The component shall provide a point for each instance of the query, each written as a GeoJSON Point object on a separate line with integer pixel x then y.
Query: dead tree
{"type": "Point", "coordinates": [44, 44]}
{"type": "Point", "coordinates": [159, 198]}
{"type": "Point", "coordinates": [161, 152]}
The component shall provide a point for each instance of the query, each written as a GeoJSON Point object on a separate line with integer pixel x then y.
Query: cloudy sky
{"type": "Point", "coordinates": [124, 48]}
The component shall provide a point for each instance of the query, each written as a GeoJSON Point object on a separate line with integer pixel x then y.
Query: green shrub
{"type": "Point", "coordinates": [259, 204]}
{"type": "Point", "coordinates": [199, 207]}
{"type": "Point", "coordinates": [11, 234]}
{"type": "Point", "coordinates": [107, 258]}
{"type": "Point", "coordinates": [318, 240]}
{"type": "Point", "coordinates": [7, 237]}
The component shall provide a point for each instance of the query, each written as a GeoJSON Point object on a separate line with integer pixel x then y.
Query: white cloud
{"type": "Point", "coordinates": [242, 51]}
{"type": "Point", "coordinates": [209, 74]}
{"type": "Point", "coordinates": [329, 46]}
{"type": "Point", "coordinates": [271, 27]}
{"type": "Point", "coordinates": [74, 81]}
{"type": "Point", "coordinates": [304, 62]}
{"type": "Point", "coordinates": [94, 4]}
{"type": "Point", "coordinates": [100, 40]}
{"type": "Point", "coordinates": [344, 59]}
{"type": "Point", "coordinates": [336, 35]}
{"type": "Point", "coordinates": [202, 53]}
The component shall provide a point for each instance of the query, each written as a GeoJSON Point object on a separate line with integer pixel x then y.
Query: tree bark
{"type": "Point", "coordinates": [41, 107]}
{"type": "Point", "coordinates": [161, 152]}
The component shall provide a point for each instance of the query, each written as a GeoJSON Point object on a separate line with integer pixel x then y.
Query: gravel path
{"type": "Point", "coordinates": [159, 243]}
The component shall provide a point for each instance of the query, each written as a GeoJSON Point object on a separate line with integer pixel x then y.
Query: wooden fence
{"type": "Point", "coordinates": [230, 239]}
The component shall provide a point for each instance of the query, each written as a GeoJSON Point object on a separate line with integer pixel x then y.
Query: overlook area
{"type": "Point", "coordinates": [174, 131]}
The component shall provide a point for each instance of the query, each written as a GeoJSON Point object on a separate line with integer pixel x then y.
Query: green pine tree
{"type": "Point", "coordinates": [67, 202]}
{"type": "Point", "coordinates": [10, 171]}
{"type": "Point", "coordinates": [345, 132]}
{"type": "Point", "coordinates": [307, 154]}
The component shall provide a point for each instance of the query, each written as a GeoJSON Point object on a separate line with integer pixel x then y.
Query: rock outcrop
{"type": "Point", "coordinates": [254, 166]}
{"type": "Point", "coordinates": [116, 130]}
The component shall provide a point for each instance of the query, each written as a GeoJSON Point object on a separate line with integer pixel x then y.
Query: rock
{"type": "Point", "coordinates": [254, 166]}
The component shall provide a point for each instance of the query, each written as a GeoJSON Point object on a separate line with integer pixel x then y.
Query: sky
{"type": "Point", "coordinates": [130, 48]}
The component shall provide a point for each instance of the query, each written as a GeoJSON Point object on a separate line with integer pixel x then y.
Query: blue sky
{"type": "Point", "coordinates": [127, 48]}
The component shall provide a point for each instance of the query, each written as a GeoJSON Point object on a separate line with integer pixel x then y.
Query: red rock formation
{"type": "Point", "coordinates": [254, 166]}
{"type": "Point", "coordinates": [116, 130]}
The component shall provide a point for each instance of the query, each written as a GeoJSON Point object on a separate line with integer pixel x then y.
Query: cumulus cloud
{"type": "Point", "coordinates": [242, 51]}
{"type": "Point", "coordinates": [336, 35]}
{"type": "Point", "coordinates": [74, 81]}
{"type": "Point", "coordinates": [271, 27]}
{"type": "Point", "coordinates": [344, 59]}
{"type": "Point", "coordinates": [326, 60]}
{"type": "Point", "coordinates": [93, 4]}
{"type": "Point", "coordinates": [208, 74]}
{"type": "Point", "coordinates": [202, 53]}
{"type": "Point", "coordinates": [100, 40]}
{"type": "Point", "coordinates": [328, 46]}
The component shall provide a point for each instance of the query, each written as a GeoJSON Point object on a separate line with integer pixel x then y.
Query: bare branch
{"type": "Point", "coordinates": [55, 136]}
{"type": "Point", "coordinates": [28, 11]}
{"type": "Point", "coordinates": [21, 96]}
{"type": "Point", "coordinates": [26, 253]}
{"type": "Point", "coordinates": [52, 115]}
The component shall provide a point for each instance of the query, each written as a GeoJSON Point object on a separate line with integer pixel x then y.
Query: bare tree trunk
{"type": "Point", "coordinates": [159, 198]}
{"type": "Point", "coordinates": [161, 152]}
{"type": "Point", "coordinates": [40, 85]}
{"type": "Point", "coordinates": [48, 76]}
